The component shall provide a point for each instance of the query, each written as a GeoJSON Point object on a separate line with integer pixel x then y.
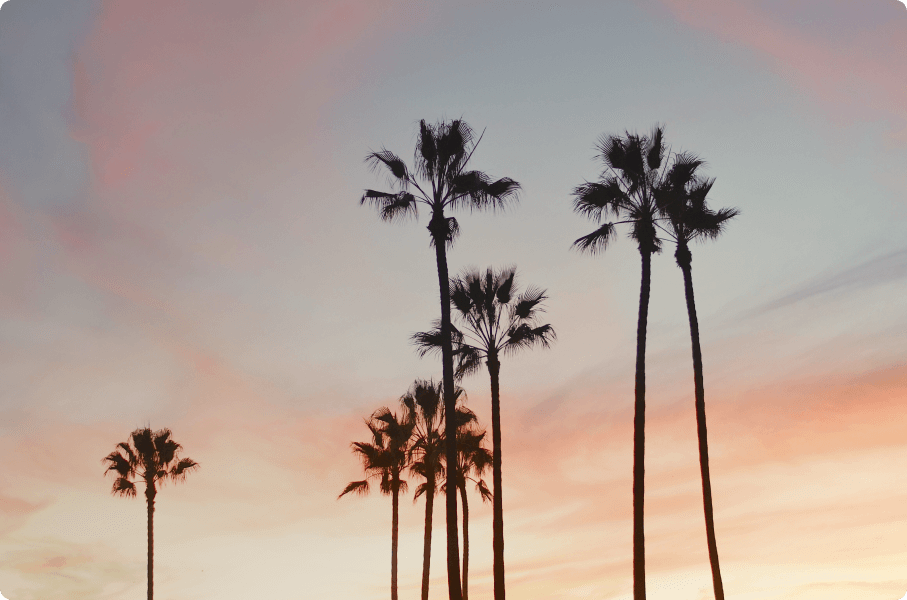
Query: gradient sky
{"type": "Point", "coordinates": [181, 246]}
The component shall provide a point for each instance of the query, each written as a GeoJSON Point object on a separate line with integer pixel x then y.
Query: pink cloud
{"type": "Point", "coordinates": [162, 84]}
{"type": "Point", "coordinates": [848, 56]}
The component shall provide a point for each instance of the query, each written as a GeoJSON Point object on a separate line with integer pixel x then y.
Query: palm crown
{"type": "Point", "coordinates": [441, 158]}
{"type": "Point", "coordinates": [681, 201]}
{"type": "Point", "coordinates": [385, 457]}
{"type": "Point", "coordinates": [473, 458]}
{"type": "Point", "coordinates": [496, 319]}
{"type": "Point", "coordinates": [634, 166]}
{"type": "Point", "coordinates": [152, 457]}
{"type": "Point", "coordinates": [424, 401]}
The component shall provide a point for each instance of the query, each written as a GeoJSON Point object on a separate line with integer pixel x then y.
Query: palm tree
{"type": "Point", "coordinates": [473, 459]}
{"type": "Point", "coordinates": [682, 202]}
{"type": "Point", "coordinates": [152, 457]}
{"type": "Point", "coordinates": [441, 158]}
{"type": "Point", "coordinates": [633, 168]}
{"type": "Point", "coordinates": [423, 400]}
{"type": "Point", "coordinates": [496, 321]}
{"type": "Point", "coordinates": [384, 459]}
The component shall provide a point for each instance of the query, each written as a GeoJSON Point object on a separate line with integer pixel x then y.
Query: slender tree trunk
{"type": "Point", "coordinates": [639, 435]}
{"type": "Point", "coordinates": [494, 370]}
{"type": "Point", "coordinates": [438, 229]}
{"type": "Point", "coordinates": [395, 526]}
{"type": "Point", "coordinates": [684, 260]}
{"type": "Point", "coordinates": [465, 543]}
{"type": "Point", "coordinates": [426, 549]}
{"type": "Point", "coordinates": [149, 497]}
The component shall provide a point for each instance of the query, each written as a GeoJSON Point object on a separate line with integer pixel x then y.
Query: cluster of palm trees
{"type": "Point", "coordinates": [657, 194]}
{"type": "Point", "coordinates": [495, 318]}
{"type": "Point", "coordinates": [414, 441]}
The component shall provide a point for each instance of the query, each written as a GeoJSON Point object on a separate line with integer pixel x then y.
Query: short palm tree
{"type": "Point", "coordinates": [384, 459]}
{"type": "Point", "coordinates": [473, 459]}
{"type": "Point", "coordinates": [682, 201]}
{"type": "Point", "coordinates": [633, 168]}
{"type": "Point", "coordinates": [495, 321]}
{"type": "Point", "coordinates": [153, 458]}
{"type": "Point", "coordinates": [423, 400]}
{"type": "Point", "coordinates": [442, 156]}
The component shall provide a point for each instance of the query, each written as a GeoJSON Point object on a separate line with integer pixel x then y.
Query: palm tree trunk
{"type": "Point", "coordinates": [639, 435]}
{"type": "Point", "coordinates": [684, 259]}
{"type": "Point", "coordinates": [438, 229]}
{"type": "Point", "coordinates": [426, 549]}
{"type": "Point", "coordinates": [465, 543]}
{"type": "Point", "coordinates": [494, 370]}
{"type": "Point", "coordinates": [149, 497]}
{"type": "Point", "coordinates": [395, 525]}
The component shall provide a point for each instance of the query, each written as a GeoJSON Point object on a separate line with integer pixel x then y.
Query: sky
{"type": "Point", "coordinates": [182, 246]}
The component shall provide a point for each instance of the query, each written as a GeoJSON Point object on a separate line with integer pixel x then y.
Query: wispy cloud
{"type": "Point", "coordinates": [873, 272]}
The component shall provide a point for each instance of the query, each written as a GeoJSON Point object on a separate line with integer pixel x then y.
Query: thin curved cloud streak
{"type": "Point", "coordinates": [877, 271]}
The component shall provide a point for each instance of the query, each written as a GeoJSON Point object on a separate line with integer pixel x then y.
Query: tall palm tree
{"type": "Point", "coordinates": [633, 168]}
{"type": "Point", "coordinates": [473, 459]}
{"type": "Point", "coordinates": [495, 321]}
{"type": "Point", "coordinates": [682, 202]}
{"type": "Point", "coordinates": [384, 459]}
{"type": "Point", "coordinates": [153, 458]}
{"type": "Point", "coordinates": [423, 400]}
{"type": "Point", "coordinates": [441, 159]}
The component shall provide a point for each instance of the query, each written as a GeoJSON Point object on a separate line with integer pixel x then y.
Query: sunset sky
{"type": "Point", "coordinates": [182, 246]}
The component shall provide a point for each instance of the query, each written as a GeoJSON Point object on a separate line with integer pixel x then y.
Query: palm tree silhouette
{"type": "Point", "coordinates": [681, 199]}
{"type": "Point", "coordinates": [473, 459]}
{"type": "Point", "coordinates": [423, 400]}
{"type": "Point", "coordinates": [442, 155]}
{"type": "Point", "coordinates": [633, 168]}
{"type": "Point", "coordinates": [384, 459]}
{"type": "Point", "coordinates": [152, 457]}
{"type": "Point", "coordinates": [495, 321]}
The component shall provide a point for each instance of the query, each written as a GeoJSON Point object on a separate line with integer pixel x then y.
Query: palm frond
{"type": "Point", "coordinates": [165, 448]}
{"type": "Point", "coordinates": [119, 464]}
{"type": "Point", "coordinates": [426, 151]}
{"type": "Point", "coordinates": [393, 163]}
{"type": "Point", "coordinates": [525, 336]}
{"type": "Point", "coordinates": [529, 303]}
{"type": "Point", "coordinates": [360, 488]}
{"type": "Point", "coordinates": [369, 454]}
{"type": "Point", "coordinates": [182, 468]}
{"type": "Point", "coordinates": [453, 140]}
{"type": "Point", "coordinates": [597, 241]}
{"type": "Point", "coordinates": [711, 225]}
{"type": "Point", "coordinates": [683, 171]}
{"type": "Point", "coordinates": [597, 200]}
{"type": "Point", "coordinates": [656, 148]}
{"type": "Point", "coordinates": [504, 281]}
{"type": "Point", "coordinates": [130, 455]}
{"type": "Point", "coordinates": [699, 191]}
{"type": "Point", "coordinates": [483, 490]}
{"type": "Point", "coordinates": [634, 162]}
{"type": "Point", "coordinates": [143, 442]}
{"type": "Point", "coordinates": [123, 487]}
{"type": "Point", "coordinates": [498, 193]}
{"type": "Point", "coordinates": [460, 297]}
{"type": "Point", "coordinates": [611, 150]}
{"type": "Point", "coordinates": [469, 361]}
{"type": "Point", "coordinates": [392, 207]}
{"type": "Point", "coordinates": [431, 341]}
